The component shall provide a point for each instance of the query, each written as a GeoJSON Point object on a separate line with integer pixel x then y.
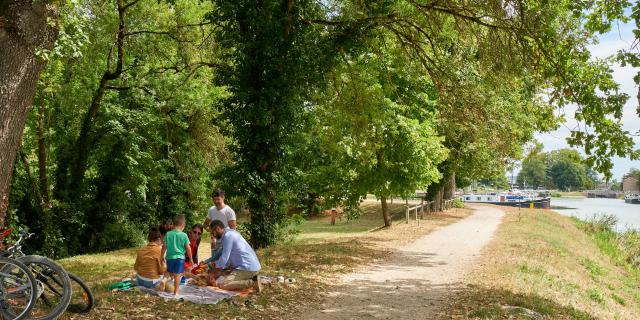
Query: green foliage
{"type": "Point", "coordinates": [457, 203]}
{"type": "Point", "coordinates": [499, 182]}
{"type": "Point", "coordinates": [153, 142]}
{"type": "Point", "coordinates": [534, 168]}
{"type": "Point", "coordinates": [623, 247]}
{"type": "Point", "coordinates": [369, 138]}
{"type": "Point", "coordinates": [566, 175]}
{"type": "Point", "coordinates": [316, 102]}
{"type": "Point", "coordinates": [596, 295]}
{"type": "Point", "coordinates": [562, 169]}
{"type": "Point", "coordinates": [274, 53]}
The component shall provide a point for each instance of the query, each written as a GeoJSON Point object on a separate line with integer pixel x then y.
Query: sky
{"type": "Point", "coordinates": [620, 37]}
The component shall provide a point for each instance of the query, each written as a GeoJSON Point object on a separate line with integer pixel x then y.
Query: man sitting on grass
{"type": "Point", "coordinates": [238, 256]}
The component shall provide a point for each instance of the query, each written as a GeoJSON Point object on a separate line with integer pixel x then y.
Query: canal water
{"type": "Point", "coordinates": [584, 208]}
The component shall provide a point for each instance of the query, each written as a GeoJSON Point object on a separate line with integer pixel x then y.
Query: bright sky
{"type": "Point", "coordinates": [620, 37]}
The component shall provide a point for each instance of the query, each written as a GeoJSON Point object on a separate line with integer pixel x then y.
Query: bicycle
{"type": "Point", "coordinates": [18, 287]}
{"type": "Point", "coordinates": [81, 300]}
{"type": "Point", "coordinates": [54, 284]}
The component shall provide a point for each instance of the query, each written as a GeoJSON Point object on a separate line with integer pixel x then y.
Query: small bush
{"type": "Point", "coordinates": [596, 295]}
{"type": "Point", "coordinates": [556, 195]}
{"type": "Point", "coordinates": [618, 299]}
{"type": "Point", "coordinates": [623, 246]}
{"type": "Point", "coordinates": [457, 203]}
{"type": "Point", "coordinates": [119, 235]}
{"type": "Point", "coordinates": [629, 243]}
{"type": "Point", "coordinates": [594, 269]}
{"type": "Point", "coordinates": [600, 223]}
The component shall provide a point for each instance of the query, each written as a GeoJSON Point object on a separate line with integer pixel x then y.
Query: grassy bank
{"type": "Point", "coordinates": [559, 267]}
{"type": "Point", "coordinates": [567, 194]}
{"type": "Point", "coordinates": [314, 259]}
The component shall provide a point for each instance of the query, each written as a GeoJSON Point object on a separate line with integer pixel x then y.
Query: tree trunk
{"type": "Point", "coordinates": [82, 144]}
{"type": "Point", "coordinates": [438, 199]}
{"type": "Point", "coordinates": [23, 29]}
{"type": "Point", "coordinates": [385, 211]}
{"type": "Point", "coordinates": [42, 157]}
{"type": "Point", "coordinates": [34, 186]}
{"type": "Point", "coordinates": [450, 187]}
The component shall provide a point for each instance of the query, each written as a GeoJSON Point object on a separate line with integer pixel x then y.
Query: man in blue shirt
{"type": "Point", "coordinates": [238, 256]}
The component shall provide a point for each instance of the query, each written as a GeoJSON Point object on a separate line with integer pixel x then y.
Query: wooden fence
{"type": "Point", "coordinates": [428, 206]}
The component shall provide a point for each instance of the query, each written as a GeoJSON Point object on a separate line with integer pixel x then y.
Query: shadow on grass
{"type": "Point", "coordinates": [342, 254]}
{"type": "Point", "coordinates": [490, 303]}
{"type": "Point", "coordinates": [307, 263]}
{"type": "Point", "coordinates": [420, 299]}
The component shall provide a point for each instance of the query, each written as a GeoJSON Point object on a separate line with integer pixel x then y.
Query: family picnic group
{"type": "Point", "coordinates": [171, 254]}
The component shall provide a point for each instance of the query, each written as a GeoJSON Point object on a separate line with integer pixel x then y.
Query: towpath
{"type": "Point", "coordinates": [414, 282]}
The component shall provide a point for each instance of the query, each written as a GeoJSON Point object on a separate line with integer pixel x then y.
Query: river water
{"type": "Point", "coordinates": [584, 208]}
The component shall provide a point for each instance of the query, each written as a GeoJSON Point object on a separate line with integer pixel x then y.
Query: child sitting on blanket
{"type": "Point", "coordinates": [149, 266]}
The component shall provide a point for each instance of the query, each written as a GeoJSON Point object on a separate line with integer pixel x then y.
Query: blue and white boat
{"type": "Point", "coordinates": [632, 198]}
{"type": "Point", "coordinates": [524, 199]}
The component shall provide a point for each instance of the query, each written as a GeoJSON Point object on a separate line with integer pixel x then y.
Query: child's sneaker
{"type": "Point", "coordinates": [257, 283]}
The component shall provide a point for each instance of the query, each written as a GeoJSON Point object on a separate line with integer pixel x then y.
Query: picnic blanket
{"type": "Point", "coordinates": [196, 294]}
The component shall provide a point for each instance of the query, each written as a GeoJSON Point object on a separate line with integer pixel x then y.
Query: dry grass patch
{"type": "Point", "coordinates": [320, 253]}
{"type": "Point", "coordinates": [541, 261]}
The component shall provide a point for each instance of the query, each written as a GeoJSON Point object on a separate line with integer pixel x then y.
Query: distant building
{"type": "Point", "coordinates": [630, 184]}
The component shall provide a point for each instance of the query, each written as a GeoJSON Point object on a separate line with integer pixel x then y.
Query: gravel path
{"type": "Point", "coordinates": [414, 282]}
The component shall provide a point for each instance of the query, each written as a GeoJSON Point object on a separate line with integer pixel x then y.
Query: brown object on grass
{"type": "Point", "coordinates": [160, 286]}
{"type": "Point", "coordinates": [169, 287]}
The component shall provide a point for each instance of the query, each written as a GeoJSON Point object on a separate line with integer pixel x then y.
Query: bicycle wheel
{"type": "Point", "coordinates": [54, 287]}
{"type": "Point", "coordinates": [81, 298]}
{"type": "Point", "coordinates": [18, 289]}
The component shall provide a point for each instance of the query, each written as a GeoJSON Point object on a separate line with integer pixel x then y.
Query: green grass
{"type": "Point", "coordinates": [319, 253]}
{"type": "Point", "coordinates": [596, 295]}
{"type": "Point", "coordinates": [618, 299]}
{"type": "Point", "coordinates": [594, 269]}
{"type": "Point", "coordinates": [556, 266]}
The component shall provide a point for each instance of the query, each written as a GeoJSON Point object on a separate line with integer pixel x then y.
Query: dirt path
{"type": "Point", "coordinates": [414, 282]}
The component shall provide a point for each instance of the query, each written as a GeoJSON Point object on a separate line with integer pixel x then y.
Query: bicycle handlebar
{"type": "Point", "coordinates": [16, 248]}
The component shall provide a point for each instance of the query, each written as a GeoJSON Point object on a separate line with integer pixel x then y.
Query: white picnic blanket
{"type": "Point", "coordinates": [193, 293]}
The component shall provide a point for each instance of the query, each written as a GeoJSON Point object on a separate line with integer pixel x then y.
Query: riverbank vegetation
{"type": "Point", "coordinates": [315, 258]}
{"type": "Point", "coordinates": [558, 267]}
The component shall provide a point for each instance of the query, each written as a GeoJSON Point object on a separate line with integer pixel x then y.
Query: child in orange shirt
{"type": "Point", "coordinates": [149, 266]}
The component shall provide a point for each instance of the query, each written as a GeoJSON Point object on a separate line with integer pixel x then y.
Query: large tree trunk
{"type": "Point", "coordinates": [450, 187]}
{"type": "Point", "coordinates": [23, 29]}
{"type": "Point", "coordinates": [385, 211]}
{"type": "Point", "coordinates": [438, 199]}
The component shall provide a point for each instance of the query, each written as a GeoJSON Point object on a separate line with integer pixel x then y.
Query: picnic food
{"type": "Point", "coordinates": [199, 269]}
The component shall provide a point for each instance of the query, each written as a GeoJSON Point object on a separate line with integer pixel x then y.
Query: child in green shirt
{"type": "Point", "coordinates": [176, 247]}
